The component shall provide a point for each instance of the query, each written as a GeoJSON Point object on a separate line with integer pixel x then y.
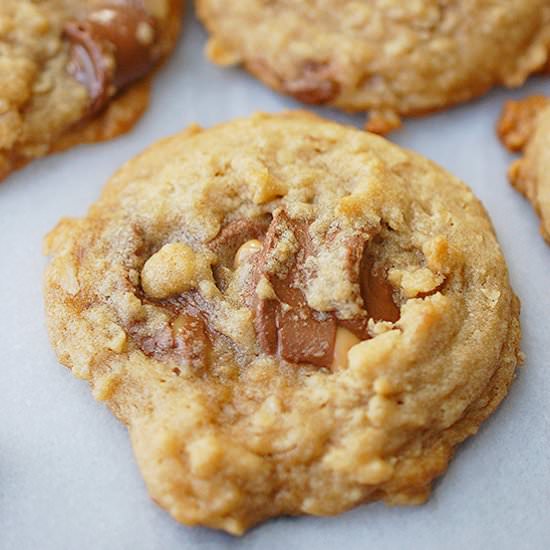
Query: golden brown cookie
{"type": "Point", "coordinates": [74, 71]}
{"type": "Point", "coordinates": [388, 57]}
{"type": "Point", "coordinates": [524, 126]}
{"type": "Point", "coordinates": [291, 317]}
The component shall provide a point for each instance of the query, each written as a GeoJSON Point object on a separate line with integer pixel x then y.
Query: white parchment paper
{"type": "Point", "coordinates": [67, 476]}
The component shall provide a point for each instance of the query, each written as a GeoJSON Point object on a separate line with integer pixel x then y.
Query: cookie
{"type": "Point", "coordinates": [291, 317]}
{"type": "Point", "coordinates": [390, 58]}
{"type": "Point", "coordinates": [525, 126]}
{"type": "Point", "coordinates": [74, 71]}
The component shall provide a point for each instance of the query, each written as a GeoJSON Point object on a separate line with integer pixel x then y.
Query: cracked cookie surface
{"type": "Point", "coordinates": [388, 57]}
{"type": "Point", "coordinates": [524, 126]}
{"type": "Point", "coordinates": [291, 317]}
{"type": "Point", "coordinates": [74, 71]}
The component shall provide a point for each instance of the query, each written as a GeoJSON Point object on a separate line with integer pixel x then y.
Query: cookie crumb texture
{"type": "Point", "coordinates": [388, 57]}
{"type": "Point", "coordinates": [291, 317]}
{"type": "Point", "coordinates": [524, 126]}
{"type": "Point", "coordinates": [72, 71]}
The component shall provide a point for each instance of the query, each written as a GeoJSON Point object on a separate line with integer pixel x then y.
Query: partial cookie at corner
{"type": "Point", "coordinates": [75, 71]}
{"type": "Point", "coordinates": [524, 127]}
{"type": "Point", "coordinates": [390, 58]}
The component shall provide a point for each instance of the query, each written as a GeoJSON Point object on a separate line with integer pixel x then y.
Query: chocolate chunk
{"type": "Point", "coordinates": [305, 339]}
{"type": "Point", "coordinates": [191, 340]}
{"type": "Point", "coordinates": [377, 296]}
{"type": "Point", "coordinates": [265, 324]}
{"type": "Point", "coordinates": [185, 341]}
{"type": "Point", "coordinates": [155, 344]}
{"type": "Point", "coordinates": [355, 250]}
{"type": "Point", "coordinates": [288, 325]}
{"type": "Point", "coordinates": [285, 324]}
{"type": "Point", "coordinates": [316, 85]}
{"type": "Point", "coordinates": [233, 235]}
{"type": "Point", "coordinates": [377, 293]}
{"type": "Point", "coordinates": [110, 48]}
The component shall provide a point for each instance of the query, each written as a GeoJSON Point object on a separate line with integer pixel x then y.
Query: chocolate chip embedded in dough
{"type": "Point", "coordinates": [110, 48]}
{"type": "Point", "coordinates": [265, 324]}
{"type": "Point", "coordinates": [191, 339]}
{"type": "Point", "coordinates": [305, 339]}
{"type": "Point", "coordinates": [233, 235]}
{"type": "Point", "coordinates": [375, 290]}
{"type": "Point", "coordinates": [377, 293]}
{"type": "Point", "coordinates": [315, 86]}
{"type": "Point", "coordinates": [287, 325]}
{"type": "Point", "coordinates": [185, 341]}
{"type": "Point", "coordinates": [284, 322]}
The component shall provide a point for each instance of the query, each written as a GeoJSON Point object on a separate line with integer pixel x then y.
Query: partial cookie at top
{"type": "Point", "coordinates": [291, 316]}
{"type": "Point", "coordinates": [71, 71]}
{"type": "Point", "coordinates": [391, 58]}
{"type": "Point", "coordinates": [524, 126]}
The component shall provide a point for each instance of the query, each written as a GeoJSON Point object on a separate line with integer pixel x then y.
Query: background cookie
{"type": "Point", "coordinates": [525, 126]}
{"type": "Point", "coordinates": [390, 58]}
{"type": "Point", "coordinates": [63, 64]}
{"type": "Point", "coordinates": [291, 317]}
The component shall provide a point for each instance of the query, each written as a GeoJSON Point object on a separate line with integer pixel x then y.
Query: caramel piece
{"type": "Point", "coordinates": [111, 47]}
{"type": "Point", "coordinates": [249, 248]}
{"type": "Point", "coordinates": [344, 341]}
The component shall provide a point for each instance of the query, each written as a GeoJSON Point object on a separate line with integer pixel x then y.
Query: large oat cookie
{"type": "Point", "coordinates": [389, 57]}
{"type": "Point", "coordinates": [291, 316]}
{"type": "Point", "coordinates": [72, 71]}
{"type": "Point", "coordinates": [525, 126]}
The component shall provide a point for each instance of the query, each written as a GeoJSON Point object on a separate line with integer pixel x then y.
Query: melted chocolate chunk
{"type": "Point", "coordinates": [186, 342]}
{"type": "Point", "coordinates": [265, 324]}
{"type": "Point", "coordinates": [305, 339]}
{"type": "Point", "coordinates": [191, 339]}
{"type": "Point", "coordinates": [377, 293]}
{"type": "Point", "coordinates": [110, 48]}
{"type": "Point", "coordinates": [316, 86]}
{"type": "Point", "coordinates": [286, 324]}
{"type": "Point", "coordinates": [233, 235]}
